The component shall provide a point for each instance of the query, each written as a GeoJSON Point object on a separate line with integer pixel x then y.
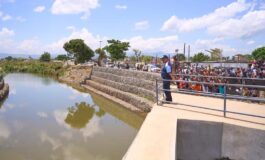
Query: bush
{"type": "Point", "coordinates": [45, 57]}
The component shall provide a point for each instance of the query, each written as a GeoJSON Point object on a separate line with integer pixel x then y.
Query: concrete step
{"type": "Point", "coordinates": [139, 102]}
{"type": "Point", "coordinates": [150, 95]}
{"type": "Point", "coordinates": [146, 84]}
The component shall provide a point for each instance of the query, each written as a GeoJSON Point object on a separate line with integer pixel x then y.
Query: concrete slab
{"type": "Point", "coordinates": [199, 140]}
{"type": "Point", "coordinates": [156, 139]}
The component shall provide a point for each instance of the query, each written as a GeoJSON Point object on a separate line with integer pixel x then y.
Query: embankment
{"type": "Point", "coordinates": [133, 89]}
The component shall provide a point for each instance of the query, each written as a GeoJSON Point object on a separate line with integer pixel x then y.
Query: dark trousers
{"type": "Point", "coordinates": [166, 85]}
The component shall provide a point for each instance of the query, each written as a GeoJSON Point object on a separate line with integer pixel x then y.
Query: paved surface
{"type": "Point", "coordinates": [186, 112]}
{"type": "Point", "coordinates": [156, 139]}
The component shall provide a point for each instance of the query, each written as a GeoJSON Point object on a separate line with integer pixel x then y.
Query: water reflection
{"type": "Point", "coordinates": [35, 123]}
{"type": "Point", "coordinates": [42, 114]}
{"type": "Point", "coordinates": [79, 115]}
{"type": "Point", "coordinates": [4, 130]}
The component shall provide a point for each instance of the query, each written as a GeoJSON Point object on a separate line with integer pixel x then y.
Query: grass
{"type": "Point", "coordinates": [32, 66]}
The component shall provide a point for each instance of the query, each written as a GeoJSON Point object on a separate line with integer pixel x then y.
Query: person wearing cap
{"type": "Point", "coordinates": [166, 74]}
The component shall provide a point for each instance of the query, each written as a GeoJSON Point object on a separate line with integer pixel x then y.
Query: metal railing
{"type": "Point", "coordinates": [222, 77]}
{"type": "Point", "coordinates": [223, 95]}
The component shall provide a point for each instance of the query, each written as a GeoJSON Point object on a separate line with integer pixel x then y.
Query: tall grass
{"type": "Point", "coordinates": [32, 66]}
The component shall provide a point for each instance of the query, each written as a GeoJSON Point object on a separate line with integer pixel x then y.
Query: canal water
{"type": "Point", "coordinates": [43, 119]}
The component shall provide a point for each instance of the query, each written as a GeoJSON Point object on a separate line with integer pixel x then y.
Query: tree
{"type": "Point", "coordinates": [200, 57]}
{"type": "Point", "coordinates": [133, 59]}
{"type": "Point", "coordinates": [79, 50]}
{"type": "Point", "coordinates": [181, 57]}
{"type": "Point", "coordinates": [147, 59]}
{"type": "Point", "coordinates": [46, 57]}
{"type": "Point", "coordinates": [249, 57]}
{"type": "Point", "coordinates": [259, 53]}
{"type": "Point", "coordinates": [137, 54]}
{"type": "Point", "coordinates": [101, 54]}
{"type": "Point", "coordinates": [62, 57]}
{"type": "Point", "coordinates": [216, 54]}
{"type": "Point", "coordinates": [9, 58]}
{"type": "Point", "coordinates": [117, 49]}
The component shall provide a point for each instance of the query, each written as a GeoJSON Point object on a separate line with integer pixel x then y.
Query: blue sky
{"type": "Point", "coordinates": [161, 26]}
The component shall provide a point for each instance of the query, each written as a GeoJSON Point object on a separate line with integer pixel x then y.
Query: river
{"type": "Point", "coordinates": [43, 119]}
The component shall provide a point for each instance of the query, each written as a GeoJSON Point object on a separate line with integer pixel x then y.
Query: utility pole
{"type": "Point", "coordinates": [188, 53]}
{"type": "Point", "coordinates": [184, 50]}
{"type": "Point", "coordinates": [100, 44]}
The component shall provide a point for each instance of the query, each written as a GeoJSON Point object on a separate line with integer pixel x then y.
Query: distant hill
{"type": "Point", "coordinates": [3, 55]}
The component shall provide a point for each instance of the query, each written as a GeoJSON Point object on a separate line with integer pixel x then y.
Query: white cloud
{"type": "Point", "coordinates": [74, 7]}
{"type": "Point", "coordinates": [1, 14]}
{"type": "Point", "coordinates": [92, 128]}
{"type": "Point", "coordinates": [161, 44]}
{"type": "Point", "coordinates": [5, 132]}
{"type": "Point", "coordinates": [55, 143]}
{"type": "Point", "coordinates": [250, 42]}
{"type": "Point", "coordinates": [165, 44]}
{"type": "Point", "coordinates": [262, 5]}
{"type": "Point", "coordinates": [20, 19]}
{"type": "Point", "coordinates": [11, 1]}
{"type": "Point", "coordinates": [201, 45]}
{"type": "Point", "coordinates": [5, 32]}
{"type": "Point", "coordinates": [90, 39]}
{"type": "Point", "coordinates": [60, 116]}
{"type": "Point", "coordinates": [122, 7]}
{"type": "Point", "coordinates": [6, 17]}
{"type": "Point", "coordinates": [186, 25]}
{"type": "Point", "coordinates": [250, 24]}
{"type": "Point", "coordinates": [142, 25]}
{"type": "Point", "coordinates": [39, 9]}
{"type": "Point", "coordinates": [71, 28]}
{"type": "Point", "coordinates": [42, 114]}
{"type": "Point", "coordinates": [30, 45]}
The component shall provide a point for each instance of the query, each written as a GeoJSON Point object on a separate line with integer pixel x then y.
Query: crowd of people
{"type": "Point", "coordinates": [253, 75]}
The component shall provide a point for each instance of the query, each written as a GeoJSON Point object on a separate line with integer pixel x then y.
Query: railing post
{"type": "Point", "coordinates": [225, 100]}
{"type": "Point", "coordinates": [156, 92]}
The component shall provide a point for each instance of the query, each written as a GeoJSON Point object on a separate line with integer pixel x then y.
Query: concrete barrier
{"type": "Point", "coordinates": [198, 140]}
{"type": "Point", "coordinates": [212, 140]}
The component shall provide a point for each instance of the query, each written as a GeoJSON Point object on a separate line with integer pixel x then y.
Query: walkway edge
{"type": "Point", "coordinates": [156, 139]}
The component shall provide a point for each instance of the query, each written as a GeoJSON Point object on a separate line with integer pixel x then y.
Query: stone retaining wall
{"type": "Point", "coordinates": [150, 95]}
{"type": "Point", "coordinates": [134, 87]}
{"type": "Point", "coordinates": [4, 89]}
{"type": "Point", "coordinates": [76, 74]}
{"type": "Point", "coordinates": [138, 102]}
{"type": "Point", "coordinates": [133, 81]}
{"type": "Point", "coordinates": [128, 73]}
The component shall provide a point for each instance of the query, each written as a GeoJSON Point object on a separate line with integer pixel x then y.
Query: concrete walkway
{"type": "Point", "coordinates": [156, 139]}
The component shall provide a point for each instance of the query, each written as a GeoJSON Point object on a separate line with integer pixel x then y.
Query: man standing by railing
{"type": "Point", "coordinates": [166, 74]}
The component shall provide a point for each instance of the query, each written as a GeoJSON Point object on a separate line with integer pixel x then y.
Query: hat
{"type": "Point", "coordinates": [164, 57]}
